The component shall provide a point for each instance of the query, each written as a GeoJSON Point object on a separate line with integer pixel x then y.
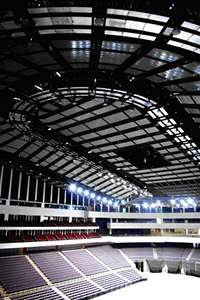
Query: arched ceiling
{"type": "Point", "coordinates": [104, 93]}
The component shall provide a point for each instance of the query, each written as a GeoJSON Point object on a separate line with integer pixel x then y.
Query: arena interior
{"type": "Point", "coordinates": [99, 149]}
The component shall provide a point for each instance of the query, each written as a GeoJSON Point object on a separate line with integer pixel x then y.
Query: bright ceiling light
{"type": "Point", "coordinates": [190, 201]}
{"type": "Point", "coordinates": [72, 187]}
{"type": "Point", "coordinates": [104, 200]}
{"type": "Point", "coordinates": [86, 193]}
{"type": "Point", "coordinates": [92, 195]}
{"type": "Point", "coordinates": [145, 205]}
{"type": "Point", "coordinates": [173, 202]}
{"type": "Point", "coordinates": [79, 190]}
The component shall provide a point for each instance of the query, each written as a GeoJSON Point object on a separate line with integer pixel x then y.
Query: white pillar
{"type": "Point", "coordinates": [1, 179]}
{"type": "Point", "coordinates": [10, 187]}
{"type": "Point", "coordinates": [28, 188]}
{"type": "Point", "coordinates": [110, 229]}
{"type": "Point", "coordinates": [65, 196]}
{"type": "Point", "coordinates": [71, 201]}
{"type": "Point", "coordinates": [44, 192]}
{"type": "Point", "coordinates": [36, 189]}
{"type": "Point", "coordinates": [58, 196]}
{"type": "Point", "coordinates": [51, 194]}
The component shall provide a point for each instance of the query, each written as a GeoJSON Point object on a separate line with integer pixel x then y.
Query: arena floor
{"type": "Point", "coordinates": [159, 286]}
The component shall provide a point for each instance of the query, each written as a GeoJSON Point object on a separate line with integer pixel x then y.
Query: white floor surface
{"type": "Point", "coordinates": [159, 286]}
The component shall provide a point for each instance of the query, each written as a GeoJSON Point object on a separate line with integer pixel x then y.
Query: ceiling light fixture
{"type": "Point", "coordinates": [99, 21]}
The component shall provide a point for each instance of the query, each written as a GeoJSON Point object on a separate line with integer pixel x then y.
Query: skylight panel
{"type": "Point", "coordinates": [190, 26]}
{"type": "Point", "coordinates": [174, 43]}
{"type": "Point", "coordinates": [82, 21]}
{"type": "Point", "coordinates": [117, 12]}
{"type": "Point", "coordinates": [158, 18]}
{"type": "Point", "coordinates": [131, 34]}
{"type": "Point", "coordinates": [153, 28]}
{"type": "Point", "coordinates": [184, 35]}
{"type": "Point", "coordinates": [113, 32]}
{"type": "Point", "coordinates": [134, 25]}
{"type": "Point", "coordinates": [147, 37]}
{"type": "Point", "coordinates": [172, 121]}
{"type": "Point", "coordinates": [115, 23]}
{"type": "Point", "coordinates": [169, 132]}
{"type": "Point", "coordinates": [163, 111]}
{"type": "Point", "coordinates": [161, 124]}
{"type": "Point", "coordinates": [151, 114]}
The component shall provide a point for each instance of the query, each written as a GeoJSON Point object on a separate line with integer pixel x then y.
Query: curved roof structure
{"type": "Point", "coordinates": [104, 93]}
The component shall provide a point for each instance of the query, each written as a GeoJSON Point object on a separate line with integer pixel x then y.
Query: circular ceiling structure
{"type": "Point", "coordinates": [106, 94]}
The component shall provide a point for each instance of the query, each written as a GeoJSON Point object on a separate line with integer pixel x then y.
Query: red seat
{"type": "Point", "coordinates": [49, 237]}
{"type": "Point", "coordinates": [15, 239]}
{"type": "Point", "coordinates": [60, 236]}
{"type": "Point", "coordinates": [27, 238]}
{"type": "Point", "coordinates": [40, 237]}
{"type": "Point", "coordinates": [95, 235]}
{"type": "Point", "coordinates": [86, 235]}
{"type": "Point", "coordinates": [70, 236]}
{"type": "Point", "coordinates": [78, 236]}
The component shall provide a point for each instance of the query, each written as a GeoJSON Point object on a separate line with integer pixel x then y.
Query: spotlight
{"type": "Point", "coordinates": [173, 202]}
{"type": "Point", "coordinates": [86, 193]}
{"type": "Point", "coordinates": [92, 195]}
{"type": "Point", "coordinates": [190, 201]}
{"type": "Point", "coordinates": [72, 187]}
{"type": "Point", "coordinates": [79, 190]}
{"type": "Point", "coordinates": [98, 198]}
{"type": "Point", "coordinates": [145, 205]}
{"type": "Point", "coordinates": [104, 200]}
{"type": "Point", "coordinates": [109, 202]}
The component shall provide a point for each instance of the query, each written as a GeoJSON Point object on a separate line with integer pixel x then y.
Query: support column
{"type": "Point", "coordinates": [110, 229]}
{"type": "Point", "coordinates": [10, 187]}
{"type": "Point", "coordinates": [1, 179]}
{"type": "Point", "coordinates": [58, 196]}
{"type": "Point", "coordinates": [36, 189]}
{"type": "Point", "coordinates": [28, 189]}
{"type": "Point", "coordinates": [71, 201]}
{"type": "Point", "coordinates": [65, 196]}
{"type": "Point", "coordinates": [19, 186]}
{"type": "Point", "coordinates": [44, 192]}
{"type": "Point", "coordinates": [51, 194]}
